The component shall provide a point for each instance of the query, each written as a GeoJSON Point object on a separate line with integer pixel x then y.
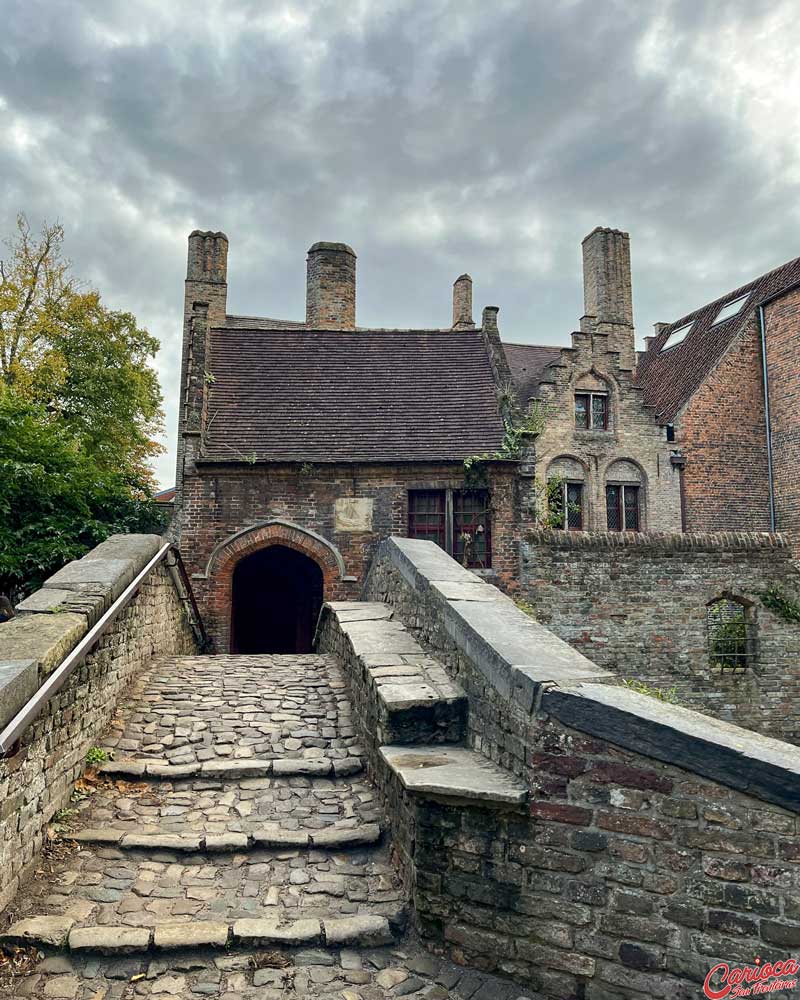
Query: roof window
{"type": "Point", "coordinates": [677, 336]}
{"type": "Point", "coordinates": [730, 309]}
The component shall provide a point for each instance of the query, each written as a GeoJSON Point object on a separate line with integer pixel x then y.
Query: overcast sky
{"type": "Point", "coordinates": [435, 137]}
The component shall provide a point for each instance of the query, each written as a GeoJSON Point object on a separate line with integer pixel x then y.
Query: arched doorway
{"type": "Point", "coordinates": [277, 595]}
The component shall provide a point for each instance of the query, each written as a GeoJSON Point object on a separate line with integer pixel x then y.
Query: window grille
{"type": "Point", "coordinates": [458, 521]}
{"type": "Point", "coordinates": [730, 634]}
{"type": "Point", "coordinates": [591, 411]}
{"type": "Point", "coordinates": [566, 506]}
{"type": "Point", "coordinates": [622, 507]}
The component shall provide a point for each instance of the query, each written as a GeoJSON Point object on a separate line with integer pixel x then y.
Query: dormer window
{"type": "Point", "coordinates": [591, 411]}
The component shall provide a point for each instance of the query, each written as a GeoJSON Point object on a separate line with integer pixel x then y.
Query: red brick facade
{"type": "Point", "coordinates": [231, 512]}
{"type": "Point", "coordinates": [782, 325]}
{"type": "Point", "coordinates": [721, 430]}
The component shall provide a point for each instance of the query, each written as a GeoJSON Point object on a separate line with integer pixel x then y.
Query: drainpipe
{"type": "Point", "coordinates": [763, 330]}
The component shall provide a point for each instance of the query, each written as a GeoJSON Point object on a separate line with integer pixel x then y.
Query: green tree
{"type": "Point", "coordinates": [86, 365]}
{"type": "Point", "coordinates": [55, 499]}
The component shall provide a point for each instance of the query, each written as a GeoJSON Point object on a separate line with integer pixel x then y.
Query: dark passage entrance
{"type": "Point", "coordinates": [277, 594]}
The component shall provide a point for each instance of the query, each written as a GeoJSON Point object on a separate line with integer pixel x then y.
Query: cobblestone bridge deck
{"type": "Point", "coordinates": [232, 848]}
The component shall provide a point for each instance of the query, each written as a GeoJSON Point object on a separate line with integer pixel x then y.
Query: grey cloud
{"type": "Point", "coordinates": [435, 136]}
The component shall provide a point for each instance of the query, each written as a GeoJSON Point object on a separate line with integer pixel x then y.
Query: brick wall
{"type": "Point", "coordinates": [722, 432]}
{"type": "Point", "coordinates": [656, 843]}
{"type": "Point", "coordinates": [38, 780]}
{"type": "Point", "coordinates": [782, 322]}
{"type": "Point", "coordinates": [220, 502]}
{"type": "Point", "coordinates": [637, 605]}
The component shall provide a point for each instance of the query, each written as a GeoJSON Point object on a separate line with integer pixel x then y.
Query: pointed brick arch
{"type": "Point", "coordinates": [337, 585]}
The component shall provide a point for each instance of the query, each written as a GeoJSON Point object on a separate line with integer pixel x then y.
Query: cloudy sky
{"type": "Point", "coordinates": [434, 136]}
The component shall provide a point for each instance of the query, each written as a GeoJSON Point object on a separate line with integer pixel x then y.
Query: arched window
{"type": "Point", "coordinates": [566, 494]}
{"type": "Point", "coordinates": [731, 633]}
{"type": "Point", "coordinates": [624, 497]}
{"type": "Point", "coordinates": [592, 404]}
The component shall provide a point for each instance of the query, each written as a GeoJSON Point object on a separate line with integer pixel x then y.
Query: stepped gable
{"type": "Point", "coordinates": [670, 377]}
{"type": "Point", "coordinates": [350, 395]}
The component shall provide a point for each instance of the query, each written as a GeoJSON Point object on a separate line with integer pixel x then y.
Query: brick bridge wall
{"type": "Point", "coordinates": [636, 604]}
{"type": "Point", "coordinates": [39, 778]}
{"type": "Point", "coordinates": [656, 843]}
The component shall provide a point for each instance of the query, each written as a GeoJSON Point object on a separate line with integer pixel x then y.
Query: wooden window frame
{"type": "Point", "coordinates": [621, 507]}
{"type": "Point", "coordinates": [590, 396]}
{"type": "Point", "coordinates": [451, 523]}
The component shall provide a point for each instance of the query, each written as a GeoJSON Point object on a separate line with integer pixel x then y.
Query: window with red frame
{"type": "Point", "coordinates": [427, 516]}
{"type": "Point", "coordinates": [472, 538]}
{"type": "Point", "coordinates": [458, 521]}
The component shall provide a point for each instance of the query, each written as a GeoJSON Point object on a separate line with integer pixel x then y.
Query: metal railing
{"type": "Point", "coordinates": [17, 726]}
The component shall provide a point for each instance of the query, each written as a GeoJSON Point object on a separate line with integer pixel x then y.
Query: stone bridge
{"type": "Point", "coordinates": [442, 800]}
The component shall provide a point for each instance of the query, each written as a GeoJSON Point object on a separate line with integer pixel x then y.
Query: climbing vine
{"type": "Point", "coordinates": [517, 434]}
{"type": "Point", "coordinates": [778, 602]}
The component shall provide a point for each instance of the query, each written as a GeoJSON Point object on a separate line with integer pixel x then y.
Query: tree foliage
{"type": "Point", "coordinates": [79, 411]}
{"type": "Point", "coordinates": [86, 365]}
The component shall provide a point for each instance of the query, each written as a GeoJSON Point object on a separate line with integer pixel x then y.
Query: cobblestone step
{"type": "Point", "coordinates": [285, 767]}
{"type": "Point", "coordinates": [364, 930]}
{"type": "Point", "coordinates": [325, 839]}
{"type": "Point", "coordinates": [403, 970]}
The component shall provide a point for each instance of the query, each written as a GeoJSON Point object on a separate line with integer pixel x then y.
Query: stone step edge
{"type": "Point", "coordinates": [364, 930]}
{"type": "Point", "coordinates": [366, 835]}
{"type": "Point", "coordinates": [289, 767]}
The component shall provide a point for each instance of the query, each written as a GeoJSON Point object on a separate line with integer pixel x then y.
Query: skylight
{"type": "Point", "coordinates": [677, 336]}
{"type": "Point", "coordinates": [731, 309]}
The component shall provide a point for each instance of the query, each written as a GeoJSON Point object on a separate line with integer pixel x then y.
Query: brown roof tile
{"type": "Point", "coordinates": [527, 363]}
{"type": "Point", "coordinates": [670, 377]}
{"type": "Point", "coordinates": [324, 396]}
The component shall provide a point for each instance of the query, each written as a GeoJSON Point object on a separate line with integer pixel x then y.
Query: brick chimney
{"type": "Point", "coordinates": [207, 274]}
{"type": "Point", "coordinates": [607, 294]}
{"type": "Point", "coordinates": [462, 303]}
{"type": "Point", "coordinates": [331, 287]}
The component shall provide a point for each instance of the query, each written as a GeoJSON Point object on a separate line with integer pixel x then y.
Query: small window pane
{"type": "Point", "coordinates": [574, 506]}
{"type": "Point", "coordinates": [582, 410]}
{"type": "Point", "coordinates": [426, 515]}
{"type": "Point", "coordinates": [613, 512]}
{"type": "Point", "coordinates": [599, 412]}
{"type": "Point", "coordinates": [472, 529]}
{"type": "Point", "coordinates": [631, 494]}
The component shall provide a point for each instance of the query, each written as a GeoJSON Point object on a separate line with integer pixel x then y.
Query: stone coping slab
{"type": "Point", "coordinates": [247, 768]}
{"type": "Point", "coordinates": [360, 930]}
{"type": "Point", "coordinates": [19, 681]}
{"type": "Point", "coordinates": [46, 639]}
{"type": "Point", "coordinates": [326, 839]}
{"type": "Point", "coordinates": [454, 773]}
{"type": "Point", "coordinates": [739, 758]}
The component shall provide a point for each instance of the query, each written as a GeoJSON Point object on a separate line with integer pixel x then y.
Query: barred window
{"type": "Point", "coordinates": [458, 521]}
{"type": "Point", "coordinates": [731, 638]}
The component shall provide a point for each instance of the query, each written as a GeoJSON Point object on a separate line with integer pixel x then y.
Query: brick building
{"type": "Point", "coordinates": [303, 443]}
{"type": "Point", "coordinates": [705, 377]}
{"type": "Point", "coordinates": [600, 441]}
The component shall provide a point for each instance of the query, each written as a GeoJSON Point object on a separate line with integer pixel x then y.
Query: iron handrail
{"type": "Point", "coordinates": [17, 726]}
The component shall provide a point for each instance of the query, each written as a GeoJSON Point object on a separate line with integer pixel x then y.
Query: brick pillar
{"type": "Point", "coordinates": [607, 296]}
{"type": "Point", "coordinates": [462, 303]}
{"type": "Point", "coordinates": [331, 287]}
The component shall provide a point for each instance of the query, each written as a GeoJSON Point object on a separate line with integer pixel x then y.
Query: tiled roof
{"type": "Point", "coordinates": [671, 377]}
{"type": "Point", "coordinates": [527, 363]}
{"type": "Point", "coordinates": [363, 396]}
